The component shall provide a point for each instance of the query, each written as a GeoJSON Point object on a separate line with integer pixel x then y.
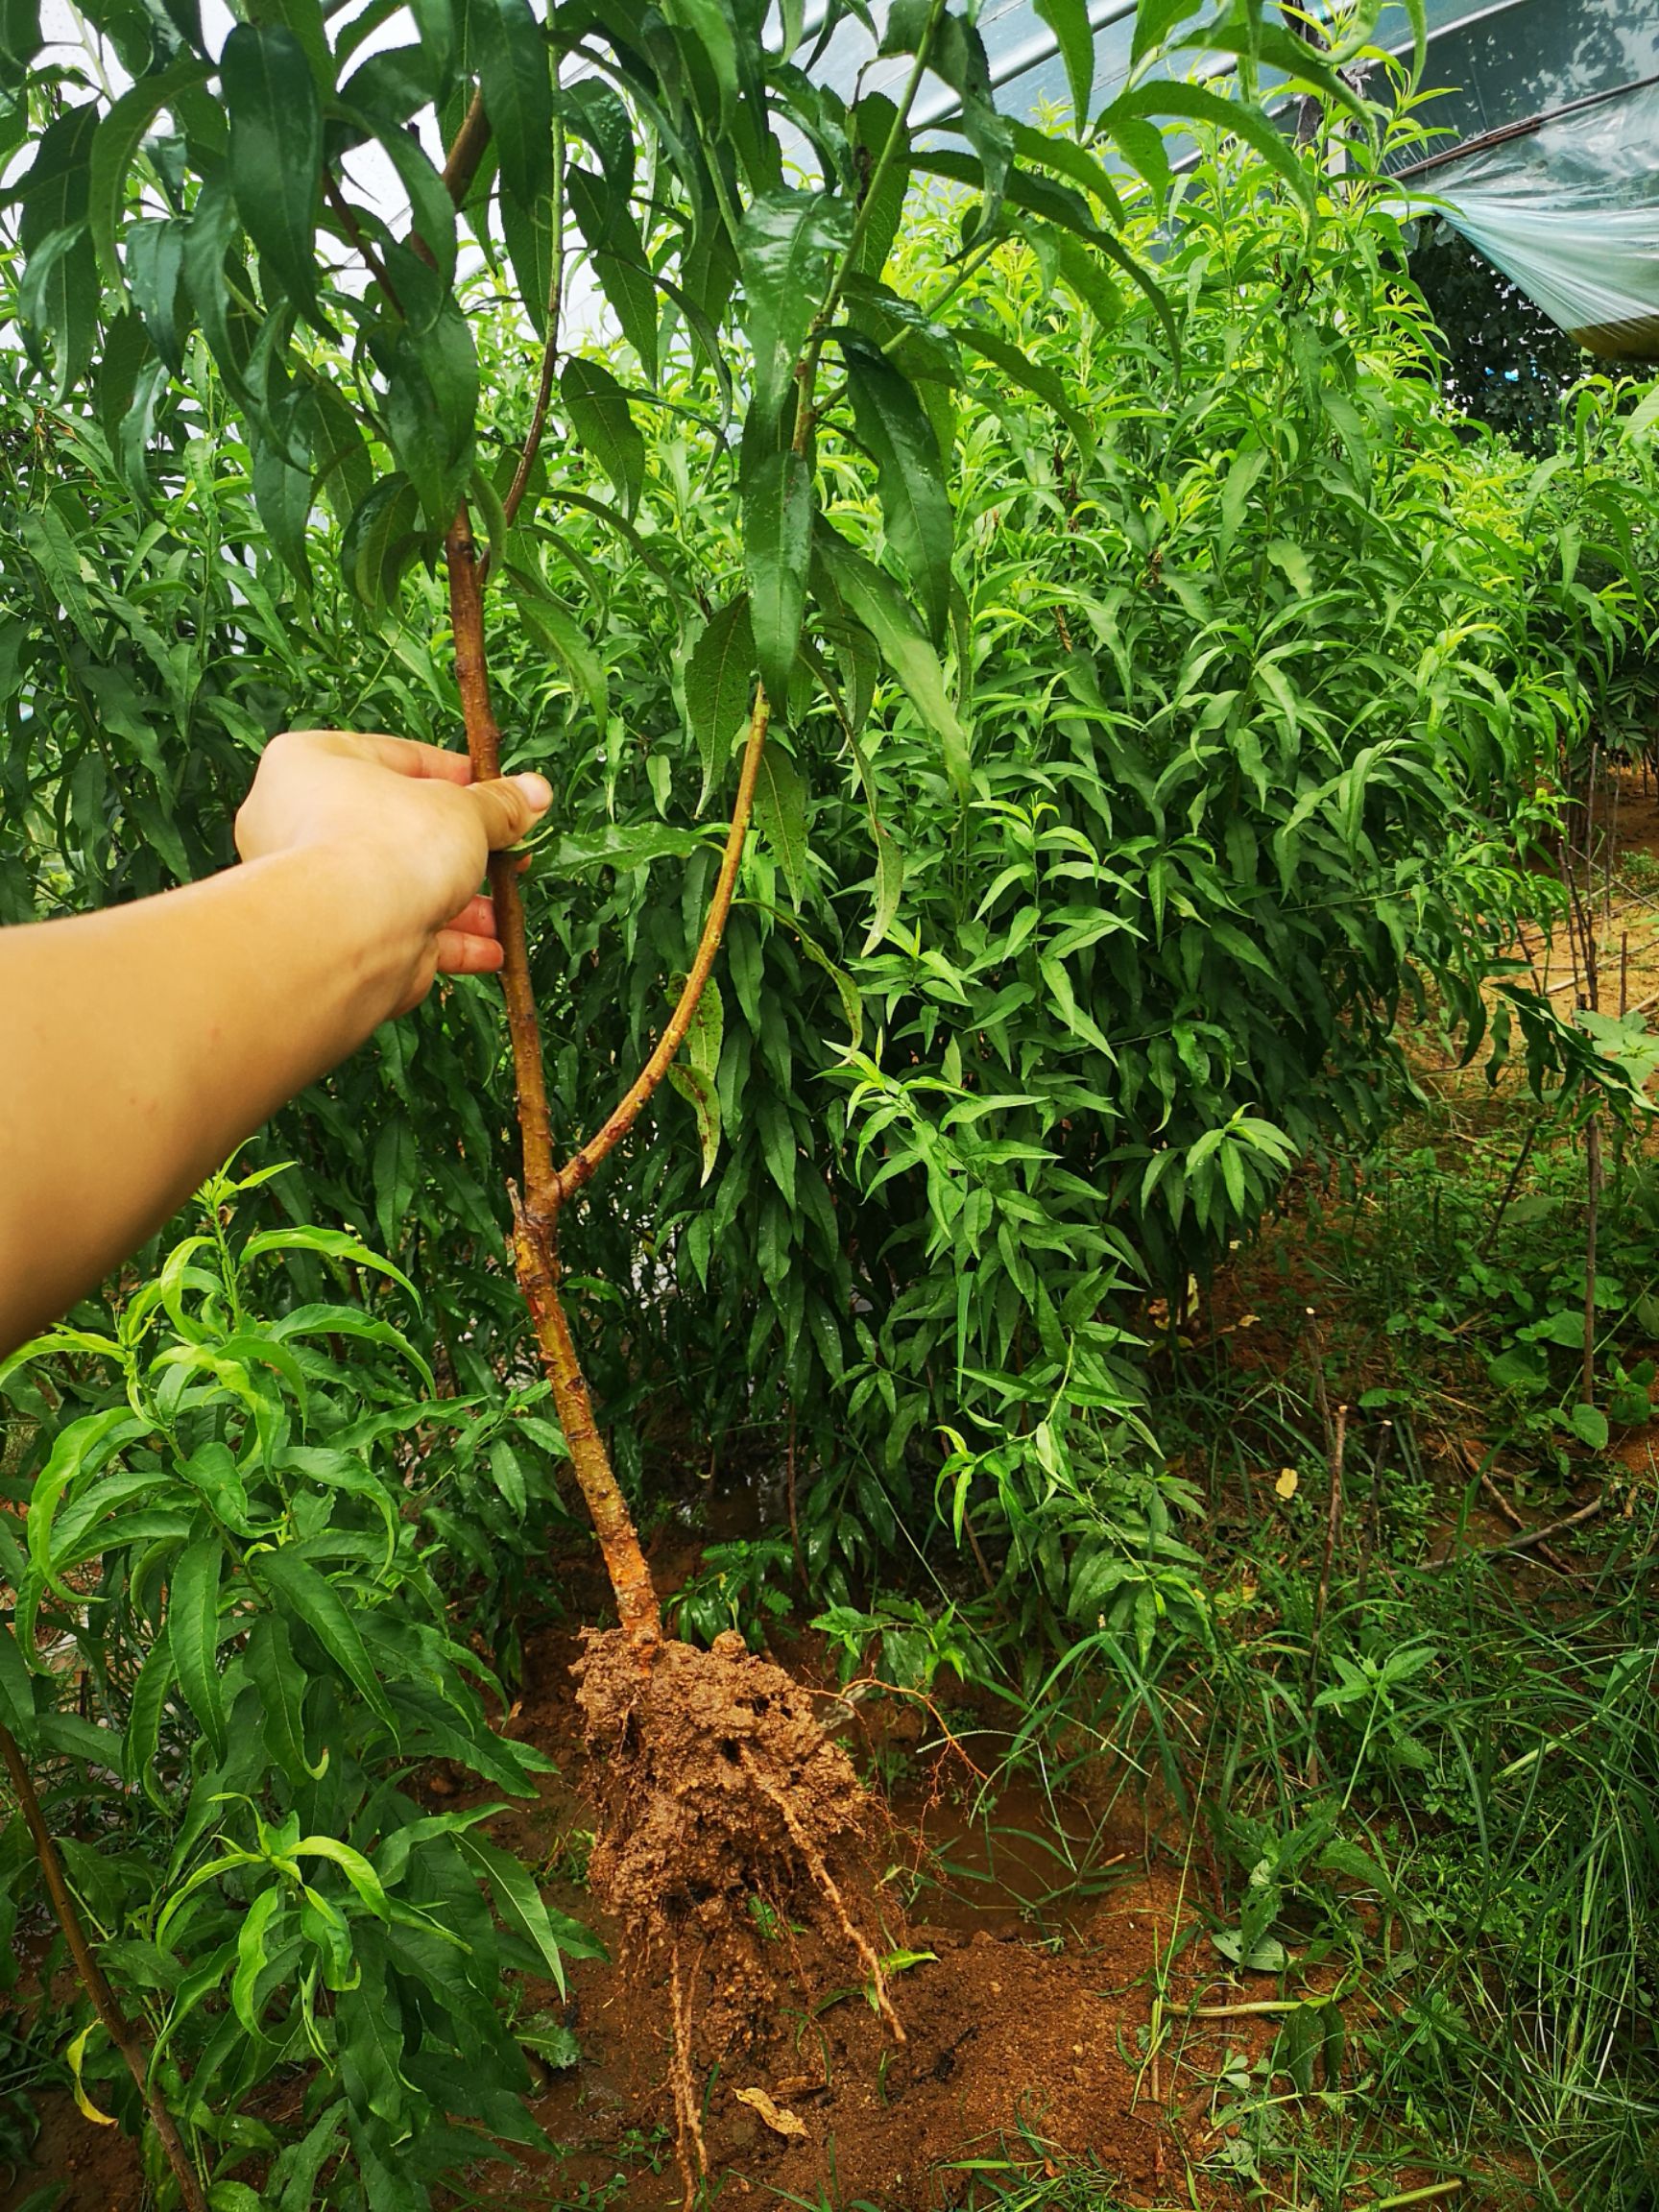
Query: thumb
{"type": "Point", "coordinates": [507, 805]}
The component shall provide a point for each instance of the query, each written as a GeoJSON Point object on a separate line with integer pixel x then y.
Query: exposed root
{"type": "Point", "coordinates": [689, 2144]}
{"type": "Point", "coordinates": [731, 1821]}
{"type": "Point", "coordinates": [825, 1881]}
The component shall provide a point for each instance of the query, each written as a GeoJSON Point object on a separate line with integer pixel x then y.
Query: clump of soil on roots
{"type": "Point", "coordinates": [734, 1827]}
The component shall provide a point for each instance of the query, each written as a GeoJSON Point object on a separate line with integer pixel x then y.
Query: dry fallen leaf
{"type": "Point", "coordinates": [1286, 1485]}
{"type": "Point", "coordinates": [779, 2121]}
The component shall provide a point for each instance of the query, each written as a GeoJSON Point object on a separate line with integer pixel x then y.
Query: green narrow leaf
{"type": "Point", "coordinates": [783, 251]}
{"type": "Point", "coordinates": [283, 498]}
{"type": "Point", "coordinates": [559, 629]}
{"type": "Point", "coordinates": [1072, 161]}
{"type": "Point", "coordinates": [1154, 20]}
{"type": "Point", "coordinates": [618, 260]}
{"type": "Point", "coordinates": [529, 234]}
{"type": "Point", "coordinates": [706, 29]}
{"type": "Point", "coordinates": [874, 121]}
{"type": "Point", "coordinates": [599, 415]}
{"type": "Point", "coordinates": [519, 1902]}
{"type": "Point", "coordinates": [778, 1145]}
{"type": "Point", "coordinates": [251, 1957]}
{"type": "Point", "coordinates": [370, 2049]}
{"type": "Point", "coordinates": [780, 817]}
{"type": "Point", "coordinates": [155, 267]}
{"type": "Point", "coordinates": [394, 1174]}
{"type": "Point", "coordinates": [429, 203]}
{"type": "Point", "coordinates": [958, 56]}
{"type": "Point", "coordinates": [114, 146]}
{"type": "Point", "coordinates": [1243, 474]}
{"type": "Point", "coordinates": [207, 238]}
{"type": "Point", "coordinates": [148, 1702]}
{"type": "Point", "coordinates": [889, 884]}
{"type": "Point", "coordinates": [16, 1690]}
{"type": "Point", "coordinates": [193, 1632]}
{"type": "Point", "coordinates": [20, 39]}
{"type": "Point", "coordinates": [383, 536]}
{"type": "Point", "coordinates": [516, 79]}
{"type": "Point", "coordinates": [875, 601]}
{"type": "Point", "coordinates": [777, 555]}
{"type": "Point", "coordinates": [275, 162]}
{"type": "Point", "coordinates": [1034, 377]}
{"type": "Point", "coordinates": [1160, 96]}
{"type": "Point", "coordinates": [281, 1682]}
{"type": "Point", "coordinates": [699, 1094]}
{"type": "Point", "coordinates": [431, 399]}
{"type": "Point", "coordinates": [82, 1447]}
{"type": "Point", "coordinates": [893, 426]}
{"type": "Point", "coordinates": [313, 1601]}
{"type": "Point", "coordinates": [1069, 20]}
{"type": "Point", "coordinates": [720, 686]}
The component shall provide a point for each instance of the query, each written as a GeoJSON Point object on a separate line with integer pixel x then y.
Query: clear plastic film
{"type": "Point", "coordinates": [1571, 212]}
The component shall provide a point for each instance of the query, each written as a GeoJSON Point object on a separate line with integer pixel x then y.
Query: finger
{"type": "Point", "coordinates": [476, 919]}
{"type": "Point", "coordinates": [507, 805]}
{"type": "Point", "coordinates": [461, 953]}
{"type": "Point", "coordinates": [404, 756]}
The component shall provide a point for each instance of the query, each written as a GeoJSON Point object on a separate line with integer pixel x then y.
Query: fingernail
{"type": "Point", "coordinates": [536, 789]}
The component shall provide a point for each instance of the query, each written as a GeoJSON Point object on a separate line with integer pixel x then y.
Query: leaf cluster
{"type": "Point", "coordinates": [220, 1543]}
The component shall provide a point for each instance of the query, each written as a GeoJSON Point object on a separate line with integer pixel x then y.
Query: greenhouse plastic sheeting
{"type": "Point", "coordinates": [1571, 212]}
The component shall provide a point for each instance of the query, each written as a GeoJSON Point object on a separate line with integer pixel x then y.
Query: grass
{"type": "Point", "coordinates": [1415, 1771]}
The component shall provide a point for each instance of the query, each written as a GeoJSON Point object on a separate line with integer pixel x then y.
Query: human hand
{"type": "Point", "coordinates": [406, 823]}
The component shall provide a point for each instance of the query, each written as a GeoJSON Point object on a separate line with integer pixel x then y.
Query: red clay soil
{"type": "Point", "coordinates": [1015, 2055]}
{"type": "Point", "coordinates": [1022, 2041]}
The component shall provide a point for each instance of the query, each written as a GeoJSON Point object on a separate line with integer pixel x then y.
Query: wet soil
{"type": "Point", "coordinates": [1025, 1936]}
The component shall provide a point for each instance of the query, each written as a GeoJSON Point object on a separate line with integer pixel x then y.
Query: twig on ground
{"type": "Point", "coordinates": [1554, 1558]}
{"type": "Point", "coordinates": [1528, 1542]}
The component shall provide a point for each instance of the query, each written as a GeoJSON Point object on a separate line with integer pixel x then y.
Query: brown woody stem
{"type": "Point", "coordinates": [535, 1216]}
{"type": "Point", "coordinates": [467, 150]}
{"type": "Point", "coordinates": [484, 749]}
{"type": "Point", "coordinates": [535, 1251]}
{"type": "Point", "coordinates": [535, 1258]}
{"type": "Point", "coordinates": [577, 1170]}
{"type": "Point", "coordinates": [110, 2016]}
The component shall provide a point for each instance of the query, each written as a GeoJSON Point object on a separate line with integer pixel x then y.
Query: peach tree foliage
{"type": "Point", "coordinates": [181, 203]}
{"type": "Point", "coordinates": [1259, 657]}
{"type": "Point", "coordinates": [636, 162]}
{"type": "Point", "coordinates": [234, 1538]}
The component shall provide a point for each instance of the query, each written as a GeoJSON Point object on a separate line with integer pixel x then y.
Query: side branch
{"type": "Point", "coordinates": [467, 150]}
{"type": "Point", "coordinates": [579, 1170]}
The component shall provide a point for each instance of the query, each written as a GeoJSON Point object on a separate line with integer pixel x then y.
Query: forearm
{"type": "Point", "coordinates": [140, 1045]}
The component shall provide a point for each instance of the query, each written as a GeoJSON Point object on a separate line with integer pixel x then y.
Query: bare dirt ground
{"type": "Point", "coordinates": [1023, 2025]}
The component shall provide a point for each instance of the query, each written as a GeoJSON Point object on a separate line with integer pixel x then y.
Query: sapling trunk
{"type": "Point", "coordinates": [537, 1208]}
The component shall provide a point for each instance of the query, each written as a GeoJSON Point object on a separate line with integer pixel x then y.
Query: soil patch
{"type": "Point", "coordinates": [1025, 2025]}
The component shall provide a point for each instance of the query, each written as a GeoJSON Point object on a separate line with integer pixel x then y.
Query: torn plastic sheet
{"type": "Point", "coordinates": [1571, 214]}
